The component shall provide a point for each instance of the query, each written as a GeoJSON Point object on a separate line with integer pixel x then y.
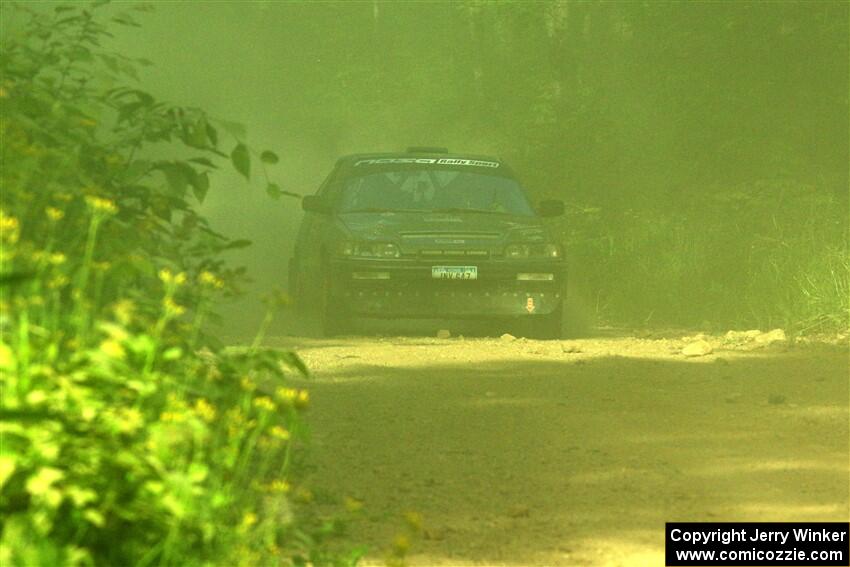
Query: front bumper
{"type": "Point", "coordinates": [410, 291]}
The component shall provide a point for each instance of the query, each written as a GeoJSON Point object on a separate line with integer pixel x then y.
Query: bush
{"type": "Point", "coordinates": [129, 436]}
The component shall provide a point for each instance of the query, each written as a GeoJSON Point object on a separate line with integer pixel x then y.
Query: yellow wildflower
{"type": "Point", "coordinates": [279, 486]}
{"type": "Point", "coordinates": [210, 279]}
{"type": "Point", "coordinates": [264, 402]}
{"type": "Point", "coordinates": [124, 310]}
{"type": "Point", "coordinates": [10, 228]}
{"type": "Point", "coordinates": [7, 222]}
{"type": "Point", "coordinates": [205, 409]}
{"type": "Point", "coordinates": [286, 394]}
{"type": "Point", "coordinates": [279, 432]}
{"type": "Point", "coordinates": [172, 416]}
{"type": "Point", "coordinates": [247, 384]}
{"type": "Point", "coordinates": [180, 278]}
{"type": "Point", "coordinates": [116, 332]}
{"type": "Point", "coordinates": [100, 205]}
{"type": "Point", "coordinates": [7, 356]}
{"type": "Point", "coordinates": [299, 398]}
{"type": "Point", "coordinates": [57, 258]}
{"type": "Point", "coordinates": [302, 399]}
{"type": "Point", "coordinates": [128, 420]}
{"type": "Point", "coordinates": [166, 276]}
{"type": "Point", "coordinates": [54, 214]}
{"type": "Point", "coordinates": [112, 349]}
{"type": "Point", "coordinates": [249, 519]}
{"type": "Point", "coordinates": [176, 401]}
{"type": "Point", "coordinates": [173, 309]}
{"type": "Point", "coordinates": [57, 282]}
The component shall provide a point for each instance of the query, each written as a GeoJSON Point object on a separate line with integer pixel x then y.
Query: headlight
{"type": "Point", "coordinates": [552, 251]}
{"type": "Point", "coordinates": [523, 251]}
{"type": "Point", "coordinates": [516, 251]}
{"type": "Point", "coordinates": [369, 249]}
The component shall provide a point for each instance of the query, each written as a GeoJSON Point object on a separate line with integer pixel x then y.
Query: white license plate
{"type": "Point", "coordinates": [454, 272]}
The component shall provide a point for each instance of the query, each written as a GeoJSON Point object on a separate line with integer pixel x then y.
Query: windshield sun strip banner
{"type": "Point", "coordinates": [436, 161]}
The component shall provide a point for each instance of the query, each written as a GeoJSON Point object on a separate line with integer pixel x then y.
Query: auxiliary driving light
{"type": "Point", "coordinates": [532, 250]}
{"type": "Point", "coordinates": [370, 275]}
{"type": "Point", "coordinates": [524, 277]}
{"type": "Point", "coordinates": [369, 249]}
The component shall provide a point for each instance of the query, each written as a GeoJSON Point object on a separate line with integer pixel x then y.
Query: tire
{"type": "Point", "coordinates": [333, 318]}
{"type": "Point", "coordinates": [547, 327]}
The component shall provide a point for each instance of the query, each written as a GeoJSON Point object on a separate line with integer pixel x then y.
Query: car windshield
{"type": "Point", "coordinates": [433, 190]}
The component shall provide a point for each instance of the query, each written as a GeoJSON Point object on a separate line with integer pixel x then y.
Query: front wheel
{"type": "Point", "coordinates": [547, 327]}
{"type": "Point", "coordinates": [333, 318]}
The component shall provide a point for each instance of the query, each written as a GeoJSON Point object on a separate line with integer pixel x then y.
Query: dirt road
{"type": "Point", "coordinates": [519, 452]}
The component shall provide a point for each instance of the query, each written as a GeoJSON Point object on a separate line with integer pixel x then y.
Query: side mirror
{"type": "Point", "coordinates": [315, 204]}
{"type": "Point", "coordinates": [550, 208]}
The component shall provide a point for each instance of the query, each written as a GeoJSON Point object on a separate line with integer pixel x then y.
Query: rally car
{"type": "Point", "coordinates": [427, 234]}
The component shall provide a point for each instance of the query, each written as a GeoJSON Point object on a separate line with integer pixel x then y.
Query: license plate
{"type": "Point", "coordinates": [454, 272]}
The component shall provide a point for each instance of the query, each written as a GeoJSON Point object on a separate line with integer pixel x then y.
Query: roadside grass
{"type": "Point", "coordinates": [770, 255]}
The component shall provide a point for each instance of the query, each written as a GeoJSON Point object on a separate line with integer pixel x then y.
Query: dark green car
{"type": "Point", "coordinates": [427, 234]}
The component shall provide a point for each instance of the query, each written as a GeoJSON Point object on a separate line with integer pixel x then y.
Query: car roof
{"type": "Point", "coordinates": [348, 162]}
{"type": "Point", "coordinates": [434, 155]}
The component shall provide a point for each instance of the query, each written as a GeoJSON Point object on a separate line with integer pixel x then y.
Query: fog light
{"type": "Point", "coordinates": [370, 275]}
{"type": "Point", "coordinates": [535, 277]}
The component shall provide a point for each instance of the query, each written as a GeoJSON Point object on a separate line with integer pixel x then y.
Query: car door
{"type": "Point", "coordinates": [313, 232]}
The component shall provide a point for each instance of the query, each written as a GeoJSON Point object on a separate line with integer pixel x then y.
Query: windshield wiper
{"type": "Point", "coordinates": [382, 210]}
{"type": "Point", "coordinates": [440, 210]}
{"type": "Point", "coordinates": [465, 210]}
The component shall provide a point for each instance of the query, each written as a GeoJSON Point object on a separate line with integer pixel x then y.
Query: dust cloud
{"type": "Point", "coordinates": [701, 149]}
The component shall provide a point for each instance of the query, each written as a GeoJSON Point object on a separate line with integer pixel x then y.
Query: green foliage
{"type": "Point", "coordinates": [241, 160]}
{"type": "Point", "coordinates": [269, 157]}
{"type": "Point", "coordinates": [129, 436]}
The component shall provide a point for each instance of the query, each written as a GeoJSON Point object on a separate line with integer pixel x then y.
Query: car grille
{"type": "Point", "coordinates": [436, 253]}
{"type": "Point", "coordinates": [457, 235]}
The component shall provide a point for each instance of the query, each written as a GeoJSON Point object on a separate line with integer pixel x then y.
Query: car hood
{"type": "Point", "coordinates": [413, 231]}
